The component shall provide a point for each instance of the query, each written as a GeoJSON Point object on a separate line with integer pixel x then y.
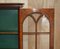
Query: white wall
{"type": "Point", "coordinates": [41, 3]}
{"type": "Point", "coordinates": [9, 1]}
{"type": "Point", "coordinates": [57, 24]}
{"type": "Point", "coordinates": [38, 3]}
{"type": "Point", "coordinates": [25, 3]}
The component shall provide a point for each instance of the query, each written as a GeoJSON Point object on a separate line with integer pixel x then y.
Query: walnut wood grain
{"type": "Point", "coordinates": [10, 5]}
{"type": "Point", "coordinates": [8, 33]}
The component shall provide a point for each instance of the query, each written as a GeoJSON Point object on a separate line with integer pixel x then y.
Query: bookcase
{"type": "Point", "coordinates": [9, 13]}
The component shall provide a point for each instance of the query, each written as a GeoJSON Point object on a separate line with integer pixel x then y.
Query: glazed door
{"type": "Point", "coordinates": [36, 29]}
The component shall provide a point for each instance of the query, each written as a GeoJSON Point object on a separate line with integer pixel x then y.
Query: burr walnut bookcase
{"type": "Point", "coordinates": [9, 15]}
{"type": "Point", "coordinates": [36, 28]}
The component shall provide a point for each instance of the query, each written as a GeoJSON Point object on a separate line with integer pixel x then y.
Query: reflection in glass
{"type": "Point", "coordinates": [43, 24]}
{"type": "Point", "coordinates": [25, 41]}
{"type": "Point", "coordinates": [29, 25]}
{"type": "Point", "coordinates": [28, 41]}
{"type": "Point", "coordinates": [43, 41]}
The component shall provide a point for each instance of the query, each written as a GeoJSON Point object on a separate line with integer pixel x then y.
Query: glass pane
{"type": "Point", "coordinates": [29, 25]}
{"type": "Point", "coordinates": [43, 24]}
{"type": "Point", "coordinates": [9, 20]}
{"type": "Point", "coordinates": [28, 41]}
{"type": "Point", "coordinates": [43, 41]}
{"type": "Point", "coordinates": [8, 41]}
{"type": "Point", "coordinates": [36, 15]}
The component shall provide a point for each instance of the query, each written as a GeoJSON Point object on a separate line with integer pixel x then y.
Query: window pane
{"type": "Point", "coordinates": [43, 24]}
{"type": "Point", "coordinates": [43, 41]}
{"type": "Point", "coordinates": [28, 41]}
{"type": "Point", "coordinates": [29, 25]}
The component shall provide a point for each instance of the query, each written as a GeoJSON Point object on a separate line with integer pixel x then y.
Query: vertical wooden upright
{"type": "Point", "coordinates": [19, 28]}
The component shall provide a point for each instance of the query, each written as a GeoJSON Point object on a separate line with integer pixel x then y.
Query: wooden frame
{"type": "Point", "coordinates": [25, 12]}
{"type": "Point", "coordinates": [10, 5]}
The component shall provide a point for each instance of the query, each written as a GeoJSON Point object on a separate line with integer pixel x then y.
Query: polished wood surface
{"type": "Point", "coordinates": [10, 5]}
{"type": "Point", "coordinates": [8, 33]}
